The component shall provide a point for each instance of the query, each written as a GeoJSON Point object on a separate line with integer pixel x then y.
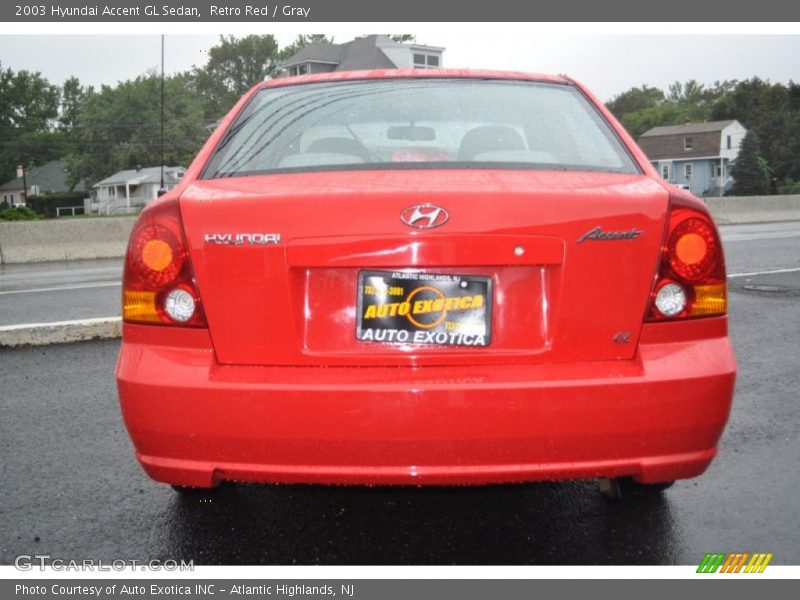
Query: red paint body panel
{"type": "Point", "coordinates": [412, 74]}
{"type": "Point", "coordinates": [657, 417]}
{"type": "Point", "coordinates": [592, 291]}
{"type": "Point", "coordinates": [278, 388]}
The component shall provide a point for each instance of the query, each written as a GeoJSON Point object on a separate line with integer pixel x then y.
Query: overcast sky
{"type": "Point", "coordinates": [606, 64]}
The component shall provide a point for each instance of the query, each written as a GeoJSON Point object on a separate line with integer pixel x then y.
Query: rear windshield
{"type": "Point", "coordinates": [413, 123]}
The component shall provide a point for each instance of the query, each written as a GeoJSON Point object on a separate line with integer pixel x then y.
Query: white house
{"type": "Point", "coordinates": [368, 52]}
{"type": "Point", "coordinates": [131, 190]}
{"type": "Point", "coordinates": [49, 178]}
{"type": "Point", "coordinates": [696, 155]}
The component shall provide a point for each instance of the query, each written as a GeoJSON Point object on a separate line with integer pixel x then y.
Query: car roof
{"type": "Point", "coordinates": [413, 73]}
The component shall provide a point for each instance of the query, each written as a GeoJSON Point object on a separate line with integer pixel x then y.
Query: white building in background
{"type": "Point", "coordinates": [131, 190]}
{"type": "Point", "coordinates": [698, 156]}
{"type": "Point", "coordinates": [49, 178]}
{"type": "Point", "coordinates": [367, 52]}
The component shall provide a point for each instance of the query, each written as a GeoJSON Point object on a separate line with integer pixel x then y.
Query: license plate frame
{"type": "Point", "coordinates": [465, 319]}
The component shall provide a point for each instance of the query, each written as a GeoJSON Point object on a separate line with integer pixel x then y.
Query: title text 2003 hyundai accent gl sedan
{"type": "Point", "coordinates": [423, 277]}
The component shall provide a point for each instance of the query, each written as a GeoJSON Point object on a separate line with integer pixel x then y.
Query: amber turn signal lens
{"type": "Point", "coordinates": [691, 248]}
{"type": "Point", "coordinates": [140, 306]}
{"type": "Point", "coordinates": [157, 255]}
{"type": "Point", "coordinates": [709, 299]}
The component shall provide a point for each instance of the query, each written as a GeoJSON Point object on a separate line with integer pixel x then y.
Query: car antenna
{"type": "Point", "coordinates": [162, 190]}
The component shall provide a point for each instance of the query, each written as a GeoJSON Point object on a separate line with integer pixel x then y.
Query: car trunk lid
{"type": "Point", "coordinates": [569, 258]}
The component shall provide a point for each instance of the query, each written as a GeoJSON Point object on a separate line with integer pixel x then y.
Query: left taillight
{"type": "Point", "coordinates": [158, 286]}
{"type": "Point", "coordinates": [691, 280]}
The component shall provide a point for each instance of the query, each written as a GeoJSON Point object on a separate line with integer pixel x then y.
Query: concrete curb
{"type": "Point", "coordinates": [60, 332]}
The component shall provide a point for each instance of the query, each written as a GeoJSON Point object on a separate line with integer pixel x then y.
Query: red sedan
{"type": "Point", "coordinates": [424, 277]}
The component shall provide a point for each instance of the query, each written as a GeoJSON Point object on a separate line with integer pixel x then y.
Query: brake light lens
{"type": "Point", "coordinates": [691, 280]}
{"type": "Point", "coordinates": [693, 249]}
{"type": "Point", "coordinates": [156, 255]}
{"type": "Point", "coordinates": [158, 280]}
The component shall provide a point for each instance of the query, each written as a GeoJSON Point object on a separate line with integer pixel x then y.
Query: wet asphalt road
{"type": "Point", "coordinates": [72, 489]}
{"type": "Point", "coordinates": [60, 291]}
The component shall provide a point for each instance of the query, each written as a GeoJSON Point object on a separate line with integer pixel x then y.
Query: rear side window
{"type": "Point", "coordinates": [418, 123]}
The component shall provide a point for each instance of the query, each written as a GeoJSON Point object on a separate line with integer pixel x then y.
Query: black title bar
{"type": "Point", "coordinates": [43, 11]}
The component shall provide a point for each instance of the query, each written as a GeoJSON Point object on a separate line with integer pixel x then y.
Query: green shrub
{"type": "Point", "coordinates": [46, 205]}
{"type": "Point", "coordinates": [789, 187]}
{"type": "Point", "coordinates": [18, 213]}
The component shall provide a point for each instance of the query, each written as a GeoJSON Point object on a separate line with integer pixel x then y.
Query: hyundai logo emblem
{"type": "Point", "coordinates": [424, 216]}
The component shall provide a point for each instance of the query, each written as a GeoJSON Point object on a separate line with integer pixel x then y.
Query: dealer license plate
{"type": "Point", "coordinates": [406, 307]}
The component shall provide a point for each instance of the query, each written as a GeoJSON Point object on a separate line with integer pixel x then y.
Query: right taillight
{"type": "Point", "coordinates": [158, 284]}
{"type": "Point", "coordinates": [691, 280]}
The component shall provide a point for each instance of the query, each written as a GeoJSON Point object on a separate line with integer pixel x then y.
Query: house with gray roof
{"type": "Point", "coordinates": [697, 156]}
{"type": "Point", "coordinates": [368, 52]}
{"type": "Point", "coordinates": [49, 178]}
{"type": "Point", "coordinates": [131, 190]}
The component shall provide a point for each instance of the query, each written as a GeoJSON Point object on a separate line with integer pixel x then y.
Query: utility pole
{"type": "Point", "coordinates": [24, 183]}
{"type": "Point", "coordinates": [162, 190]}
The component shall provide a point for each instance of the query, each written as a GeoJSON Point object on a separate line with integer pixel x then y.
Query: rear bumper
{"type": "Point", "coordinates": [195, 422]}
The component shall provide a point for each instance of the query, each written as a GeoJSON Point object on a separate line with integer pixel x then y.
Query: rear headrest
{"type": "Point", "coordinates": [489, 138]}
{"type": "Point", "coordinates": [339, 145]}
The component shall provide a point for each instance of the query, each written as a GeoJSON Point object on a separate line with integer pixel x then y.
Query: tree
{"type": "Point", "coordinates": [711, 94]}
{"type": "Point", "coordinates": [690, 101]}
{"type": "Point", "coordinates": [28, 109]}
{"type": "Point", "coordinates": [27, 101]}
{"type": "Point", "coordinates": [773, 112]}
{"type": "Point", "coordinates": [750, 172]}
{"type": "Point", "coordinates": [73, 95]}
{"type": "Point", "coordinates": [635, 99]}
{"type": "Point", "coordinates": [233, 67]}
{"type": "Point", "coordinates": [119, 127]}
{"type": "Point", "coordinates": [690, 92]}
{"type": "Point", "coordinates": [640, 121]}
{"type": "Point", "coordinates": [641, 108]}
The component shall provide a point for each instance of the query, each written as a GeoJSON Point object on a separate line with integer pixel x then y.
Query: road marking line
{"type": "Point", "coordinates": [9, 272]}
{"type": "Point", "coordinates": [77, 322]}
{"type": "Point", "coordinates": [748, 237]}
{"type": "Point", "coordinates": [770, 272]}
{"type": "Point", "coordinates": [65, 287]}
